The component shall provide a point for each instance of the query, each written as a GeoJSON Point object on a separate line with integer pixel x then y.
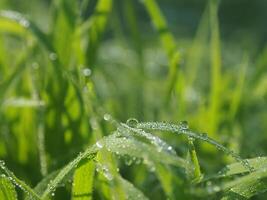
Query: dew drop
{"type": "Point", "coordinates": [87, 72]}
{"type": "Point", "coordinates": [205, 135]}
{"type": "Point", "coordinates": [132, 122]}
{"type": "Point", "coordinates": [107, 117]}
{"type": "Point", "coordinates": [35, 65]}
{"type": "Point", "coordinates": [169, 148]}
{"type": "Point", "coordinates": [24, 23]}
{"type": "Point", "coordinates": [99, 145]}
{"type": "Point", "coordinates": [2, 163]}
{"type": "Point", "coordinates": [53, 56]}
{"type": "Point", "coordinates": [183, 125]}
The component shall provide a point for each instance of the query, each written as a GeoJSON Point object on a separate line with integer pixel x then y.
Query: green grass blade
{"type": "Point", "coordinates": [237, 168]}
{"type": "Point", "coordinates": [131, 191]}
{"type": "Point", "coordinates": [184, 129]}
{"type": "Point", "coordinates": [89, 154]}
{"type": "Point", "coordinates": [160, 24]}
{"type": "Point", "coordinates": [82, 187]}
{"type": "Point", "coordinates": [23, 186]}
{"type": "Point", "coordinates": [135, 148]}
{"type": "Point", "coordinates": [198, 49]}
{"type": "Point", "coordinates": [247, 186]}
{"type": "Point", "coordinates": [237, 95]}
{"type": "Point", "coordinates": [167, 40]}
{"type": "Point", "coordinates": [7, 189]}
{"type": "Point", "coordinates": [19, 20]}
{"type": "Point", "coordinates": [194, 159]}
{"type": "Point", "coordinates": [215, 56]}
{"type": "Point", "coordinates": [92, 29]}
{"type": "Point", "coordinates": [166, 179]}
{"type": "Point", "coordinates": [156, 141]}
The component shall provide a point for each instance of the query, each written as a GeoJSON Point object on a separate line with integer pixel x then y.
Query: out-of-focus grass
{"type": "Point", "coordinates": [70, 75]}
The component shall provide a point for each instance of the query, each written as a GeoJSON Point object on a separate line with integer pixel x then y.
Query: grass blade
{"type": "Point", "coordinates": [82, 188]}
{"type": "Point", "coordinates": [215, 61]}
{"type": "Point", "coordinates": [131, 191]}
{"type": "Point", "coordinates": [7, 189]}
{"type": "Point", "coordinates": [183, 129]}
{"type": "Point", "coordinates": [25, 188]}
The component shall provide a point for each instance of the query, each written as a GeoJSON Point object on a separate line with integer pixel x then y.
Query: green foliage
{"type": "Point", "coordinates": [71, 76]}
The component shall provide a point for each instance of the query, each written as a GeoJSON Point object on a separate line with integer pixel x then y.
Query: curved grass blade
{"type": "Point", "coordinates": [7, 189]}
{"type": "Point", "coordinates": [156, 141]}
{"type": "Point", "coordinates": [182, 129]}
{"type": "Point", "coordinates": [25, 188]}
{"type": "Point", "coordinates": [237, 168]}
{"type": "Point", "coordinates": [247, 186]}
{"type": "Point", "coordinates": [137, 149]}
{"type": "Point", "coordinates": [41, 186]}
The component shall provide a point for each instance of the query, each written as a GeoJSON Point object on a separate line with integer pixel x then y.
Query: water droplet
{"type": "Point", "coordinates": [99, 145]}
{"type": "Point", "coordinates": [205, 135]}
{"type": "Point", "coordinates": [94, 124]}
{"type": "Point", "coordinates": [53, 194]}
{"type": "Point", "coordinates": [132, 122]}
{"type": "Point", "coordinates": [107, 117]}
{"type": "Point", "coordinates": [35, 65]}
{"type": "Point", "coordinates": [24, 23]}
{"type": "Point", "coordinates": [169, 148]}
{"type": "Point", "coordinates": [183, 125]}
{"type": "Point", "coordinates": [2, 163]}
{"type": "Point", "coordinates": [87, 72]}
{"type": "Point", "coordinates": [53, 56]}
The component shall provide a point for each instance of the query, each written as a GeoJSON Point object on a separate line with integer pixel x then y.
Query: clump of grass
{"type": "Point", "coordinates": [61, 82]}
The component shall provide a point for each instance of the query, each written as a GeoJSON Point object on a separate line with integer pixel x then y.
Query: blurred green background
{"type": "Point", "coordinates": [211, 73]}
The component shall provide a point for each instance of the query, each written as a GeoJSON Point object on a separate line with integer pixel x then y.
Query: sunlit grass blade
{"type": "Point", "coordinates": [216, 76]}
{"type": "Point", "coordinates": [197, 176]}
{"type": "Point", "coordinates": [82, 187]}
{"type": "Point", "coordinates": [7, 189]}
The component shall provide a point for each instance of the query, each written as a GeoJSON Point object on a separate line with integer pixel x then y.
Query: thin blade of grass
{"type": "Point", "coordinates": [215, 61]}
